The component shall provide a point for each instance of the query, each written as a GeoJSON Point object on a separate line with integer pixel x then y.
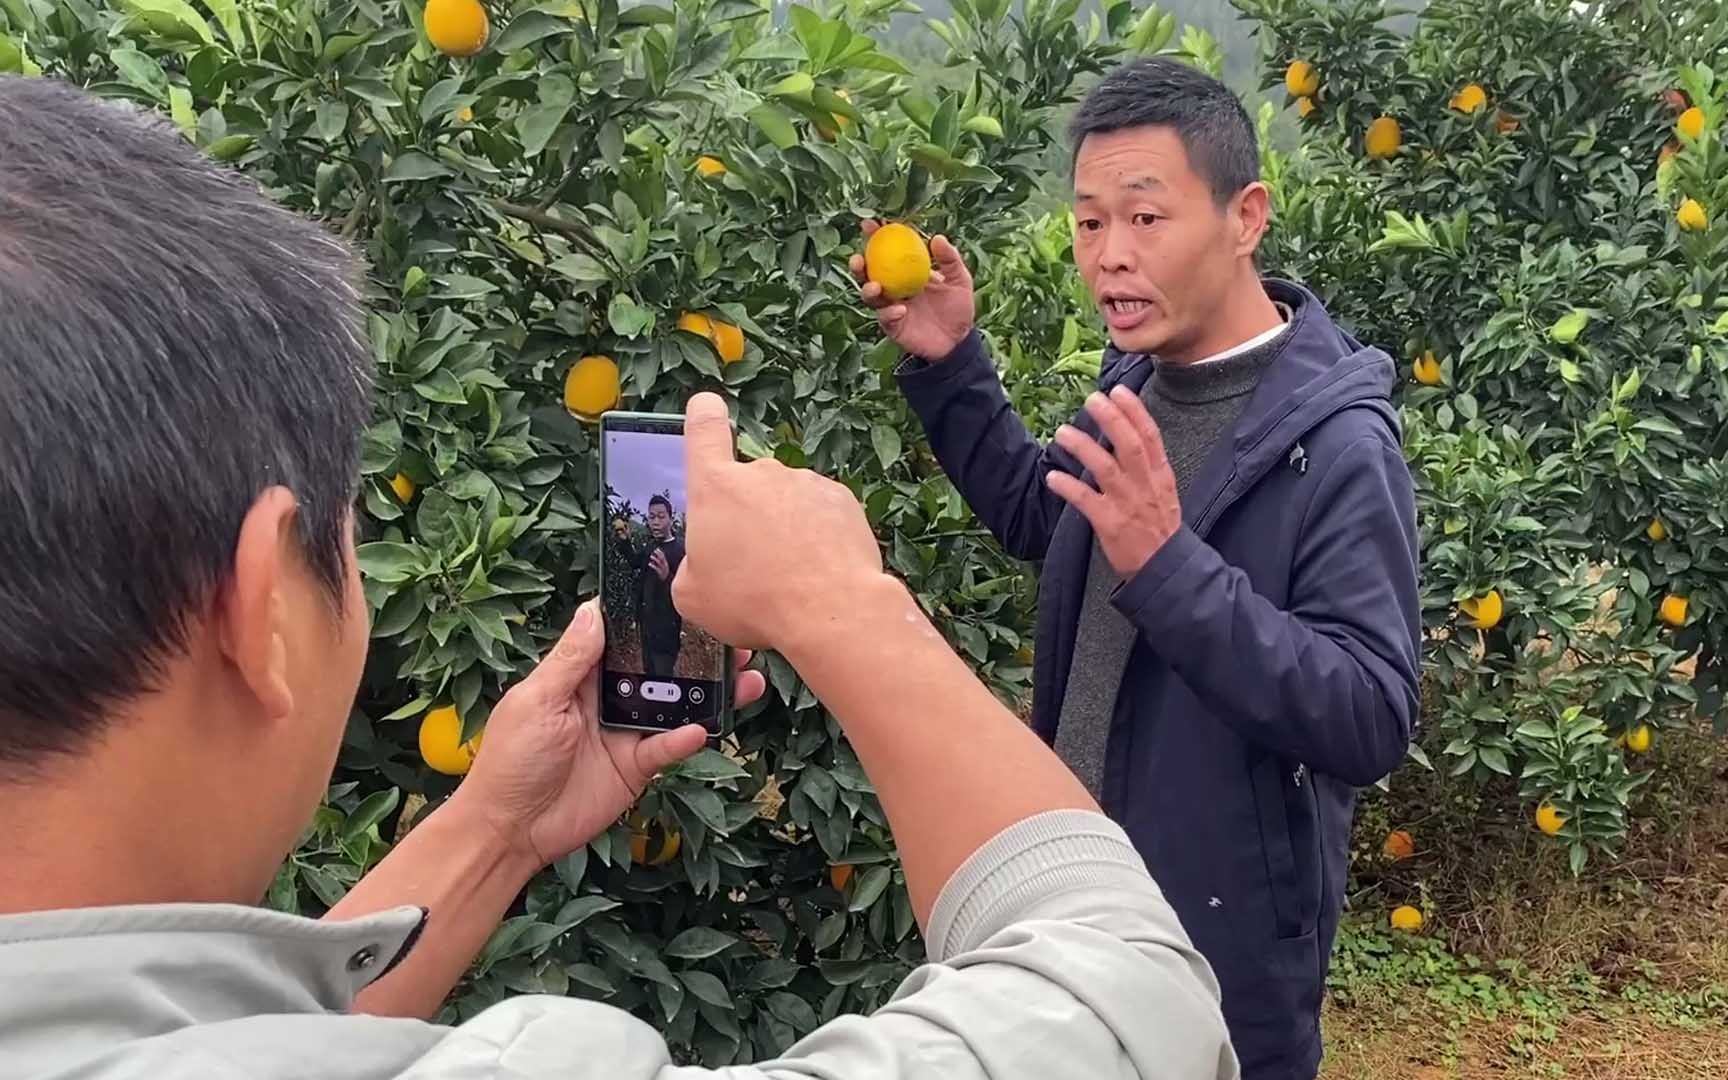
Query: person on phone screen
{"type": "Point", "coordinates": [1228, 613]}
{"type": "Point", "coordinates": [178, 672]}
{"type": "Point", "coordinates": [661, 626]}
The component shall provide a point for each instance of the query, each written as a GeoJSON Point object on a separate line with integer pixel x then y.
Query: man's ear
{"type": "Point", "coordinates": [1253, 214]}
{"type": "Point", "coordinates": [252, 610]}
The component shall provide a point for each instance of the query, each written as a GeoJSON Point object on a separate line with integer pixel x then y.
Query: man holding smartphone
{"type": "Point", "coordinates": [1228, 621]}
{"type": "Point", "coordinates": [177, 672]}
{"type": "Point", "coordinates": [661, 626]}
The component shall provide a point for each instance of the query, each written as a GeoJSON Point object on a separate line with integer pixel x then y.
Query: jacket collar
{"type": "Point", "coordinates": [207, 962]}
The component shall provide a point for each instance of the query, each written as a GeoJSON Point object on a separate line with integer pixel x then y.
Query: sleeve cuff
{"type": "Point", "coordinates": [1140, 593]}
{"type": "Point", "coordinates": [1030, 861]}
{"type": "Point", "coordinates": [915, 373]}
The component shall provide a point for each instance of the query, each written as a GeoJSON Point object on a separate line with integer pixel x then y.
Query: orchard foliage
{"type": "Point", "coordinates": [1571, 458]}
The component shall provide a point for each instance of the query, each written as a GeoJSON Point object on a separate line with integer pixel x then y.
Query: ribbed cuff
{"type": "Point", "coordinates": [1030, 861]}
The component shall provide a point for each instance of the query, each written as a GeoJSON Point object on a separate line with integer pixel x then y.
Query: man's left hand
{"type": "Point", "coordinates": [548, 777]}
{"type": "Point", "coordinates": [1134, 509]}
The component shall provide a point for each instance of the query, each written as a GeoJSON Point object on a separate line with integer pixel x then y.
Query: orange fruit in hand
{"type": "Point", "coordinates": [897, 258]}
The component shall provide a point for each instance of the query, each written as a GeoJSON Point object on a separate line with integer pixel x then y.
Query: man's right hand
{"type": "Point", "coordinates": [933, 323]}
{"type": "Point", "coordinates": [767, 549]}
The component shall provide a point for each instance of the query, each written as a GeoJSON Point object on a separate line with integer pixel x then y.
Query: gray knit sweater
{"type": "Point", "coordinates": [1194, 406]}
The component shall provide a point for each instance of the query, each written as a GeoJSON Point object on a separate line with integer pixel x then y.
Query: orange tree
{"type": "Point", "coordinates": [1516, 200]}
{"type": "Point", "coordinates": [571, 189]}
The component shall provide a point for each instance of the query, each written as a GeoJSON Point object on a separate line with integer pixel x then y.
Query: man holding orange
{"type": "Point", "coordinates": [1228, 619]}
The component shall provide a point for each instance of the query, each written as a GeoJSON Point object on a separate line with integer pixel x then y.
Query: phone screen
{"type": "Point", "coordinates": [661, 671]}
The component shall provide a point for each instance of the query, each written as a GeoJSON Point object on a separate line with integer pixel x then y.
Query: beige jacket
{"type": "Point", "coordinates": [1052, 954]}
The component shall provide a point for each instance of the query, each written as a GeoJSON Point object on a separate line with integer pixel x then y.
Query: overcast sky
{"type": "Point", "coordinates": [640, 464]}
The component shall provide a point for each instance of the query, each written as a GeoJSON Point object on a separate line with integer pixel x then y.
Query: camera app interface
{"type": "Point", "coordinates": [660, 672]}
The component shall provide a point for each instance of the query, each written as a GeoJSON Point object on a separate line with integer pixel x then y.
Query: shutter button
{"type": "Point", "coordinates": [363, 959]}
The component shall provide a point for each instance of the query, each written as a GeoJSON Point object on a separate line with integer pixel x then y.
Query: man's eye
{"type": "Point", "coordinates": [1089, 225]}
{"type": "Point", "coordinates": [1146, 219]}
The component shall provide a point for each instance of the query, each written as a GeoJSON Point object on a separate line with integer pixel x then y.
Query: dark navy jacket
{"type": "Point", "coordinates": [1276, 666]}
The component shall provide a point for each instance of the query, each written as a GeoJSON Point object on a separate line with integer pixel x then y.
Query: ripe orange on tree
{"type": "Point", "coordinates": [1470, 100]}
{"type": "Point", "coordinates": [457, 27]}
{"type": "Point", "coordinates": [1550, 820]}
{"type": "Point", "coordinates": [1302, 79]}
{"type": "Point", "coordinates": [591, 387]}
{"type": "Point", "coordinates": [1673, 610]}
{"type": "Point", "coordinates": [440, 745]}
{"type": "Point", "coordinates": [1383, 139]}
{"type": "Point", "coordinates": [1691, 123]}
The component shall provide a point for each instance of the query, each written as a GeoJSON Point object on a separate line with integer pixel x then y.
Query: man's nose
{"type": "Point", "coordinates": [1116, 249]}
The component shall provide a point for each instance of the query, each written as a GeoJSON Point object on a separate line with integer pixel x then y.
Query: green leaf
{"type": "Point", "coordinates": [984, 125]}
{"type": "Point", "coordinates": [171, 19]}
{"type": "Point", "coordinates": [886, 442]}
{"type": "Point", "coordinates": [798, 84]}
{"type": "Point", "coordinates": [705, 987]}
{"type": "Point", "coordinates": [227, 13]}
{"type": "Point", "coordinates": [1567, 328]}
{"type": "Point", "coordinates": [871, 885]}
{"type": "Point", "coordinates": [537, 124]}
{"type": "Point", "coordinates": [414, 165]}
{"type": "Point", "coordinates": [775, 123]}
{"type": "Point", "coordinates": [373, 91]}
{"type": "Point", "coordinates": [628, 318]}
{"type": "Point", "coordinates": [699, 943]}
{"type": "Point", "coordinates": [331, 120]}
{"type": "Point", "coordinates": [583, 908]}
{"type": "Point", "coordinates": [528, 27]}
{"type": "Point", "coordinates": [463, 287]}
{"type": "Point", "coordinates": [710, 765]}
{"type": "Point", "coordinates": [389, 562]}
{"type": "Point", "coordinates": [141, 71]}
{"type": "Point", "coordinates": [441, 386]}
{"type": "Point", "coordinates": [229, 147]}
{"type": "Point", "coordinates": [374, 809]}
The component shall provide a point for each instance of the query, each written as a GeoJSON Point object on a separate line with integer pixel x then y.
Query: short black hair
{"type": "Point", "coordinates": [661, 500]}
{"type": "Point", "coordinates": [172, 343]}
{"type": "Point", "coordinates": [1214, 128]}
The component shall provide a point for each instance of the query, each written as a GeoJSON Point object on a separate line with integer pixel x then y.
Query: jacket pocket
{"type": "Point", "coordinates": [1283, 875]}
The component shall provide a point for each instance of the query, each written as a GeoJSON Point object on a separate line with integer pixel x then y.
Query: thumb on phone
{"type": "Point", "coordinates": [707, 434]}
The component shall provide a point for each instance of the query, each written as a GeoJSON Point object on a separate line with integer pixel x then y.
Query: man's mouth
{"type": "Point", "coordinates": [1126, 312]}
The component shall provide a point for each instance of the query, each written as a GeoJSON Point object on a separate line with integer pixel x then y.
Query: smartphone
{"type": "Point", "coordinates": [660, 671]}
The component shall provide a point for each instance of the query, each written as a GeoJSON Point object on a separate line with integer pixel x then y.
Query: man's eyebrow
{"type": "Point", "coordinates": [1132, 183]}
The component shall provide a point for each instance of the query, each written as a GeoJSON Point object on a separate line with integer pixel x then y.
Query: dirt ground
{"type": "Point", "coordinates": [1631, 1047]}
{"type": "Point", "coordinates": [699, 657]}
{"type": "Point", "coordinates": [1621, 974]}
